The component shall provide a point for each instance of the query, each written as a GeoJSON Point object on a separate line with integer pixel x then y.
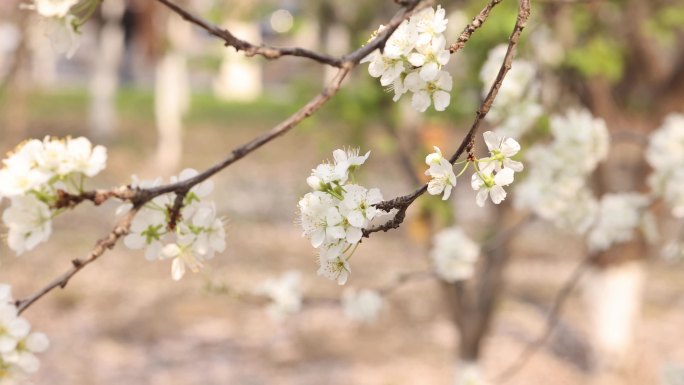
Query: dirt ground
{"type": "Point", "coordinates": [122, 320]}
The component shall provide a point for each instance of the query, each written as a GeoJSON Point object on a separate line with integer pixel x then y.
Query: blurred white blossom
{"type": "Point", "coordinates": [362, 306]}
{"type": "Point", "coordinates": [454, 254]}
{"type": "Point", "coordinates": [17, 344]}
{"type": "Point", "coordinates": [618, 216]}
{"type": "Point", "coordinates": [285, 293]}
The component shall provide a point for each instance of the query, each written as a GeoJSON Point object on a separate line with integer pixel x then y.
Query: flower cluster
{"type": "Point", "coordinates": [33, 177]}
{"type": "Point", "coordinates": [454, 255]}
{"type": "Point", "coordinates": [285, 293]}
{"type": "Point", "coordinates": [665, 154]}
{"type": "Point", "coordinates": [334, 215]}
{"type": "Point", "coordinates": [17, 343]}
{"type": "Point", "coordinates": [556, 187]}
{"type": "Point", "coordinates": [618, 216]}
{"type": "Point", "coordinates": [516, 107]}
{"type": "Point", "coordinates": [197, 236]}
{"type": "Point", "coordinates": [363, 306]}
{"type": "Point", "coordinates": [61, 20]}
{"type": "Point", "coordinates": [413, 58]}
{"type": "Point", "coordinates": [491, 175]}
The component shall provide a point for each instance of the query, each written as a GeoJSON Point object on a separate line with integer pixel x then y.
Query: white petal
{"type": "Point", "coordinates": [513, 165]}
{"type": "Point", "coordinates": [510, 147]}
{"type": "Point", "coordinates": [420, 101]}
{"type": "Point", "coordinates": [504, 177]}
{"type": "Point", "coordinates": [429, 71]}
{"type": "Point", "coordinates": [492, 140]}
{"type": "Point", "coordinates": [416, 59]}
{"type": "Point", "coordinates": [498, 194]}
{"type": "Point", "coordinates": [177, 269]}
{"type": "Point", "coordinates": [481, 197]}
{"type": "Point", "coordinates": [442, 100]}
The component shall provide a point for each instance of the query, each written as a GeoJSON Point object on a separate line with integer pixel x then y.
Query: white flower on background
{"type": "Point", "coordinates": [63, 34]}
{"type": "Point", "coordinates": [363, 306]}
{"type": "Point", "coordinates": [619, 215]}
{"type": "Point", "coordinates": [197, 235]}
{"type": "Point", "coordinates": [147, 231]}
{"type": "Point", "coordinates": [665, 150]}
{"type": "Point", "coordinates": [412, 60]}
{"type": "Point", "coordinates": [334, 215]}
{"type": "Point", "coordinates": [580, 139]}
{"type": "Point", "coordinates": [29, 221]}
{"type": "Point", "coordinates": [442, 175]}
{"type": "Point", "coordinates": [358, 205]}
{"type": "Point", "coordinates": [501, 150]}
{"type": "Point", "coordinates": [426, 93]}
{"type": "Point", "coordinates": [429, 24]}
{"type": "Point", "coordinates": [53, 8]}
{"type": "Point", "coordinates": [182, 260]}
{"type": "Point", "coordinates": [285, 293]}
{"type": "Point", "coordinates": [313, 209]}
{"type": "Point", "coordinates": [454, 255]}
{"type": "Point", "coordinates": [430, 58]}
{"type": "Point", "coordinates": [491, 184]}
{"type": "Point", "coordinates": [84, 158]}
{"type": "Point", "coordinates": [336, 269]}
{"type": "Point", "coordinates": [348, 161]}
{"type": "Point", "coordinates": [17, 344]}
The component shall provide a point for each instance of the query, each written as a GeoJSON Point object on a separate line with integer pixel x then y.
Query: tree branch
{"type": "Point", "coordinates": [138, 197]}
{"type": "Point", "coordinates": [551, 322]}
{"type": "Point", "coordinates": [101, 246]}
{"type": "Point", "coordinates": [473, 26]}
{"type": "Point", "coordinates": [403, 202]}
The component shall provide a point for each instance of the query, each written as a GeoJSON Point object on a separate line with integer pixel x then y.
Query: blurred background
{"type": "Point", "coordinates": [163, 96]}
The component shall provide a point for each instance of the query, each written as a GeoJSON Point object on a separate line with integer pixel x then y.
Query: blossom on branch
{"type": "Point", "coordinates": [197, 234]}
{"type": "Point", "coordinates": [35, 175]}
{"type": "Point", "coordinates": [334, 215]}
{"type": "Point", "coordinates": [413, 60]}
{"type": "Point", "coordinates": [441, 173]}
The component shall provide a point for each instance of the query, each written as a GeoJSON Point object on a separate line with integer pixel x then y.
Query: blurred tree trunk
{"type": "Point", "coordinates": [473, 302]}
{"type": "Point", "coordinates": [16, 85]}
{"type": "Point", "coordinates": [105, 81]}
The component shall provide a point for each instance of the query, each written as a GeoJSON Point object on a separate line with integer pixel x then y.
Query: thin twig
{"type": "Point", "coordinates": [101, 246]}
{"type": "Point", "coordinates": [551, 322]}
{"type": "Point", "coordinates": [473, 26]}
{"type": "Point", "coordinates": [403, 202]}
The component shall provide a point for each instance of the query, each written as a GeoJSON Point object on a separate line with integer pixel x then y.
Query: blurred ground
{"type": "Point", "coordinates": [124, 321]}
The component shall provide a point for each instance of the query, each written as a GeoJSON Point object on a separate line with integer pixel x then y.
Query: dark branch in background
{"type": "Point", "coordinates": [138, 197]}
{"type": "Point", "coordinates": [474, 25]}
{"type": "Point", "coordinates": [551, 322]}
{"type": "Point", "coordinates": [403, 202]}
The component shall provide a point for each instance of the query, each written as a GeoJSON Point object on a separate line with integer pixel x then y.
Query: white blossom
{"type": "Point", "coordinates": [334, 215]}
{"type": "Point", "coordinates": [85, 158]}
{"type": "Point", "coordinates": [285, 293]}
{"type": "Point", "coordinates": [442, 175]}
{"type": "Point", "coordinates": [29, 221]}
{"type": "Point", "coordinates": [489, 183]}
{"type": "Point", "coordinates": [362, 306]}
{"type": "Point", "coordinates": [63, 34]}
{"type": "Point", "coordinates": [53, 8]}
{"type": "Point", "coordinates": [619, 215]}
{"type": "Point", "coordinates": [501, 150]}
{"type": "Point", "coordinates": [413, 60]}
{"type": "Point", "coordinates": [454, 255]}
{"type": "Point", "coordinates": [426, 93]}
{"type": "Point", "coordinates": [17, 344]}
{"type": "Point", "coordinates": [336, 269]}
